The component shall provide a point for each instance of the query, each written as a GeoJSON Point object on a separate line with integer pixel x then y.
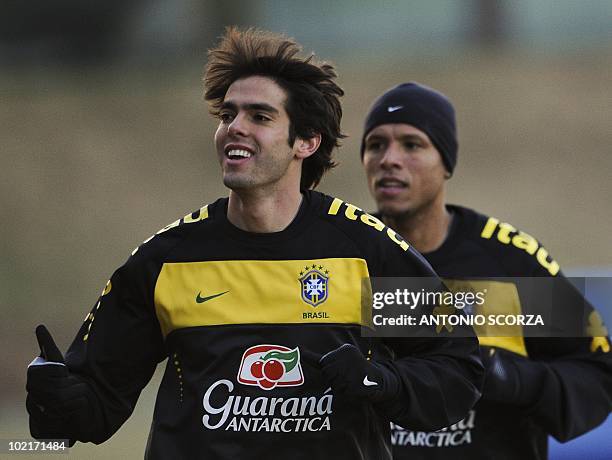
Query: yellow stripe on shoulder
{"type": "Point", "coordinates": [599, 333]}
{"type": "Point", "coordinates": [352, 212]}
{"type": "Point", "coordinates": [190, 218]}
{"type": "Point", "coordinates": [212, 293]}
{"type": "Point", "coordinates": [508, 234]}
{"type": "Point", "coordinates": [489, 228]}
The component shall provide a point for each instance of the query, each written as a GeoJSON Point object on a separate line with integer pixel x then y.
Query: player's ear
{"type": "Point", "coordinates": [308, 146]}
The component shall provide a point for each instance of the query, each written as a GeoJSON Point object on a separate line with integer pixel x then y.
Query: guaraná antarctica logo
{"type": "Point", "coordinates": [268, 366]}
{"type": "Point", "coordinates": [228, 408]}
{"type": "Point", "coordinates": [314, 284]}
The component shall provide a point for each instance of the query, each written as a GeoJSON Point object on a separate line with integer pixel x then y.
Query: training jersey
{"type": "Point", "coordinates": [243, 319]}
{"type": "Point", "coordinates": [576, 394]}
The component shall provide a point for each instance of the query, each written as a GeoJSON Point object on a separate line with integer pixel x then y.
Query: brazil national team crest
{"type": "Point", "coordinates": [314, 283]}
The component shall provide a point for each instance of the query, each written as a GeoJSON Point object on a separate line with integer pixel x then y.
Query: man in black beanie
{"type": "Point", "coordinates": [533, 386]}
{"type": "Point", "coordinates": [423, 108]}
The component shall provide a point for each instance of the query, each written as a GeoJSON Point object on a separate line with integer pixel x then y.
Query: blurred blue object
{"type": "Point", "coordinates": [595, 445]}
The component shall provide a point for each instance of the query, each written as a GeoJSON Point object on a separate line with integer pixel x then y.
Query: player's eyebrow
{"type": "Point", "coordinates": [376, 137]}
{"type": "Point", "coordinates": [251, 106]}
{"type": "Point", "coordinates": [413, 138]}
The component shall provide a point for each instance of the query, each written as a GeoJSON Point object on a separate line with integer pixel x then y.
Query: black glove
{"type": "Point", "coordinates": [511, 378]}
{"type": "Point", "coordinates": [350, 374]}
{"type": "Point", "coordinates": [56, 400]}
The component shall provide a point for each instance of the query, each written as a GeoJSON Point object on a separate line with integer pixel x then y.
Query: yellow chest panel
{"type": "Point", "coordinates": [259, 292]}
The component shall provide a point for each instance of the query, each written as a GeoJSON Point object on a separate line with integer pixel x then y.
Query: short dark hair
{"type": "Point", "coordinates": [313, 97]}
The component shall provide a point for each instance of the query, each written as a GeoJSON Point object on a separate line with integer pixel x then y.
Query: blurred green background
{"type": "Point", "coordinates": [106, 137]}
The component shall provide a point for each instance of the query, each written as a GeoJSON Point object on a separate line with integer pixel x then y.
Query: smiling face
{"type": "Point", "coordinates": [404, 170]}
{"type": "Point", "coordinates": [252, 139]}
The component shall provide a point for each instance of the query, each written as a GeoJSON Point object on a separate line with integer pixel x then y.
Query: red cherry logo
{"type": "Point", "coordinates": [256, 369]}
{"type": "Point", "coordinates": [273, 369]}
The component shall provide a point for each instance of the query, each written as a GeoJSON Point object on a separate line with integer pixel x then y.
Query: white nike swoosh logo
{"type": "Point", "coordinates": [368, 383]}
{"type": "Point", "coordinates": [393, 108]}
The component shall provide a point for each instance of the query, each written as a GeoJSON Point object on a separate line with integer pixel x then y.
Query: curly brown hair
{"type": "Point", "coordinates": [313, 97]}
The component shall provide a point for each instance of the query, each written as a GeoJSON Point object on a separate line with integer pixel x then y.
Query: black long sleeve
{"type": "Point", "coordinates": [117, 349]}
{"type": "Point", "coordinates": [439, 380]}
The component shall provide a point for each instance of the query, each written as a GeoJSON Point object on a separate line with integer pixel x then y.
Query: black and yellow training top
{"type": "Point", "coordinates": [575, 389]}
{"type": "Point", "coordinates": [243, 319]}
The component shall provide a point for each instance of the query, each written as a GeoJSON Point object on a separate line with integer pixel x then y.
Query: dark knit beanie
{"type": "Point", "coordinates": [423, 108]}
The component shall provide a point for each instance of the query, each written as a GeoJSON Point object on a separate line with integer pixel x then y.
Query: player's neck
{"type": "Point", "coordinates": [262, 211]}
{"type": "Point", "coordinates": [425, 229]}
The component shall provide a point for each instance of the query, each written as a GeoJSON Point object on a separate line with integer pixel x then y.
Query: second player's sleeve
{"type": "Point", "coordinates": [440, 376]}
{"type": "Point", "coordinates": [439, 380]}
{"type": "Point", "coordinates": [118, 346]}
{"type": "Point", "coordinates": [575, 389]}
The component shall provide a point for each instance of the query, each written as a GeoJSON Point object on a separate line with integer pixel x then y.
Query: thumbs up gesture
{"type": "Point", "coordinates": [48, 350]}
{"type": "Point", "coordinates": [55, 399]}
